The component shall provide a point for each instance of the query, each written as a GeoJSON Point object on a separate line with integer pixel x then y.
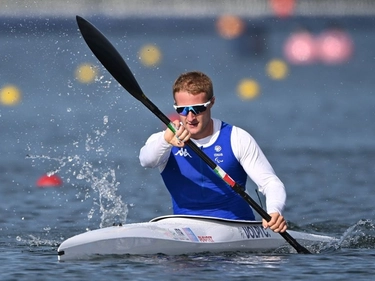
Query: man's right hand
{"type": "Point", "coordinates": [182, 135]}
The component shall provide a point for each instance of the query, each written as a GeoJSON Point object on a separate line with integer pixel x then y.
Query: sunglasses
{"type": "Point", "coordinates": [195, 108]}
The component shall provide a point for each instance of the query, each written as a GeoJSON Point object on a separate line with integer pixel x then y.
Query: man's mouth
{"type": "Point", "coordinates": [194, 124]}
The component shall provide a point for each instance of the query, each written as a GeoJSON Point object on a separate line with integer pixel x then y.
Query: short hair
{"type": "Point", "coordinates": [194, 82]}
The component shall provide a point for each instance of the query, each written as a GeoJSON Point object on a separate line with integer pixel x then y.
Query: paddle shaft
{"type": "Point", "coordinates": [114, 63]}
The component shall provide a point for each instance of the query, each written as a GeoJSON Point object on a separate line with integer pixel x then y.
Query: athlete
{"type": "Point", "coordinates": [194, 187]}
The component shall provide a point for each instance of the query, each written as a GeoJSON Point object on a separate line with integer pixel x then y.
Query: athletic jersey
{"type": "Point", "coordinates": [197, 190]}
{"type": "Point", "coordinates": [238, 148]}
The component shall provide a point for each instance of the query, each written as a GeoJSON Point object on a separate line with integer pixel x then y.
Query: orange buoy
{"type": "Point", "coordinates": [49, 181]}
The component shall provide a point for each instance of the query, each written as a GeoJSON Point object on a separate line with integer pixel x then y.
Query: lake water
{"type": "Point", "coordinates": [316, 127]}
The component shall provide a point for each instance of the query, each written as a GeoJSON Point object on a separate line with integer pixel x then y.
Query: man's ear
{"type": "Point", "coordinates": [212, 101]}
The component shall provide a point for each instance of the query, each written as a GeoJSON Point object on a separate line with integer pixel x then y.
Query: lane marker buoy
{"type": "Point", "coordinates": [49, 181]}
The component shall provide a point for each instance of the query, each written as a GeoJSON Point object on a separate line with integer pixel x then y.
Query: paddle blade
{"type": "Point", "coordinates": [109, 57]}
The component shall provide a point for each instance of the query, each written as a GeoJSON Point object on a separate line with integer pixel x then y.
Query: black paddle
{"type": "Point", "coordinates": [114, 63]}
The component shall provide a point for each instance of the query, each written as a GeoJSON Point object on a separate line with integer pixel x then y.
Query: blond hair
{"type": "Point", "coordinates": [194, 82]}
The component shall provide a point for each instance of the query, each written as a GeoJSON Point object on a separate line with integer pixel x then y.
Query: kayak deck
{"type": "Point", "coordinates": [176, 235]}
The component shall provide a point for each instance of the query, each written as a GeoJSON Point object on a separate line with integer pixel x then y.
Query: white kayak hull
{"type": "Point", "coordinates": [177, 235]}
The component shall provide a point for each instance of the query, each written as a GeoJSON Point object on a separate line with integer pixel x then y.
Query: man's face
{"type": "Point", "coordinates": [199, 125]}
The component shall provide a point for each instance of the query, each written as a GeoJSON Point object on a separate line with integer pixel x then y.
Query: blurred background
{"type": "Point", "coordinates": [297, 74]}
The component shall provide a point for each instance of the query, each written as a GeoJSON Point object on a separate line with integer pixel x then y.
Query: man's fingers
{"type": "Point", "coordinates": [276, 224]}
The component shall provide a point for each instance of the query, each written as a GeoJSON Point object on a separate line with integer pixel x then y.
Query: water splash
{"type": "Point", "coordinates": [102, 180]}
{"type": "Point", "coordinates": [35, 241]}
{"type": "Point", "coordinates": [104, 184]}
{"type": "Point", "coordinates": [359, 236]}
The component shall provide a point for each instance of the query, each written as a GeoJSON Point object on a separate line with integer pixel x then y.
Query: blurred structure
{"type": "Point", "coordinates": [190, 8]}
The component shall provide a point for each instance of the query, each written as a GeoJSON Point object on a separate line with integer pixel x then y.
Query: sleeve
{"type": "Point", "coordinates": [260, 171]}
{"type": "Point", "coordinates": [155, 152]}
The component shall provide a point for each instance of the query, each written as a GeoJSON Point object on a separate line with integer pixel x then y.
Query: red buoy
{"type": "Point", "coordinates": [173, 116]}
{"type": "Point", "coordinates": [49, 181]}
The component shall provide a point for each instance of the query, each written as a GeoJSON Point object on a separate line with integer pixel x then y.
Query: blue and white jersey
{"type": "Point", "coordinates": [201, 191]}
{"type": "Point", "coordinates": [197, 190]}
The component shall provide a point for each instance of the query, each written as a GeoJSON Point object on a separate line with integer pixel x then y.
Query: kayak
{"type": "Point", "coordinates": [178, 235]}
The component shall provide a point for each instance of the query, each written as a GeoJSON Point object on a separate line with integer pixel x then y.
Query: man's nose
{"type": "Point", "coordinates": [190, 115]}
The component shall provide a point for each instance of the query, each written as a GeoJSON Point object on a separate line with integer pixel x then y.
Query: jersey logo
{"type": "Point", "coordinates": [183, 152]}
{"type": "Point", "coordinates": [218, 154]}
{"type": "Point", "coordinates": [218, 160]}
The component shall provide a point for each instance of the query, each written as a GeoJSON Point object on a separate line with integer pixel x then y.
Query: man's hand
{"type": "Point", "coordinates": [182, 135]}
{"type": "Point", "coordinates": [276, 224]}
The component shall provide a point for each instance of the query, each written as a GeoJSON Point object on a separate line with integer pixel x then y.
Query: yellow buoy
{"type": "Point", "coordinates": [150, 55]}
{"type": "Point", "coordinates": [86, 73]}
{"type": "Point", "coordinates": [10, 95]}
{"type": "Point", "coordinates": [248, 89]}
{"type": "Point", "coordinates": [277, 69]}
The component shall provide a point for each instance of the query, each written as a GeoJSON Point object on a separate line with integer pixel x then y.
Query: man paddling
{"type": "Point", "coordinates": [194, 187]}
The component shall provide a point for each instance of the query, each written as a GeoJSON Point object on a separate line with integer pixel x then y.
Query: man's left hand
{"type": "Point", "coordinates": [276, 224]}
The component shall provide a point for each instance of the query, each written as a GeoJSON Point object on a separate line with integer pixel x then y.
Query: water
{"type": "Point", "coordinates": [316, 128]}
